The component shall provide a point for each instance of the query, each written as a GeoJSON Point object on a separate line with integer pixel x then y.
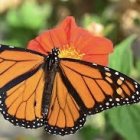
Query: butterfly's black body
{"type": "Point", "coordinates": [51, 67]}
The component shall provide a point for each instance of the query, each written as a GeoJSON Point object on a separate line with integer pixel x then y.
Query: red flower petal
{"type": "Point", "coordinates": [48, 40]}
{"type": "Point", "coordinates": [83, 40]}
{"type": "Point", "coordinates": [101, 59]}
{"type": "Point", "coordinates": [69, 25]}
{"type": "Point", "coordinates": [96, 49]}
{"type": "Point", "coordinates": [97, 45]}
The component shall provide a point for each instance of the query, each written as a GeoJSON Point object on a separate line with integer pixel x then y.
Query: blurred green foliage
{"type": "Point", "coordinates": [123, 55]}
{"type": "Point", "coordinates": [110, 18]}
{"type": "Point", "coordinates": [125, 120]}
{"type": "Point", "coordinates": [27, 16]}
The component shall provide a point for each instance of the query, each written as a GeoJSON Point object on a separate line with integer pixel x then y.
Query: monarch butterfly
{"type": "Point", "coordinates": [44, 90]}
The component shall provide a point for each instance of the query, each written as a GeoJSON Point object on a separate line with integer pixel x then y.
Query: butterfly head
{"type": "Point", "coordinates": [52, 58]}
{"type": "Point", "coordinates": [55, 52]}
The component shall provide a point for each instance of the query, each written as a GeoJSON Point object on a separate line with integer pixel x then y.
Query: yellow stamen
{"type": "Point", "coordinates": [70, 52]}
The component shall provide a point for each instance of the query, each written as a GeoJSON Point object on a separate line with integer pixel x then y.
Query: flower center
{"type": "Point", "coordinates": [70, 52]}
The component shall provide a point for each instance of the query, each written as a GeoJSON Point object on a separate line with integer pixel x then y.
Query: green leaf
{"type": "Point", "coordinates": [126, 121]}
{"type": "Point", "coordinates": [122, 58]}
{"type": "Point", "coordinates": [89, 132]}
{"type": "Point", "coordinates": [137, 68]}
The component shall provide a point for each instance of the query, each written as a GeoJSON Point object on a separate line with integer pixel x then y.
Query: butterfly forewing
{"type": "Point", "coordinates": [21, 87]}
{"type": "Point", "coordinates": [99, 87]}
{"type": "Point", "coordinates": [15, 63]}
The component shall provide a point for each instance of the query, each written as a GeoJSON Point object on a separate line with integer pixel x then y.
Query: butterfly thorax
{"type": "Point", "coordinates": [52, 58]}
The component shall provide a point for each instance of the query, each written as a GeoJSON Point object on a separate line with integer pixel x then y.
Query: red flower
{"type": "Point", "coordinates": [73, 42]}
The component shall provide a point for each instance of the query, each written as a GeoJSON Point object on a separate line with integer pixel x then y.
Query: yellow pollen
{"type": "Point", "coordinates": [70, 52]}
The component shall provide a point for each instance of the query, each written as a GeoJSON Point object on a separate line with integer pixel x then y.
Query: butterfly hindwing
{"type": "Point", "coordinates": [99, 87]}
{"type": "Point", "coordinates": [65, 115]}
{"type": "Point", "coordinates": [21, 87]}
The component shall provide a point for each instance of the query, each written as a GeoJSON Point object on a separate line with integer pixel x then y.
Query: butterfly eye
{"type": "Point", "coordinates": [55, 51]}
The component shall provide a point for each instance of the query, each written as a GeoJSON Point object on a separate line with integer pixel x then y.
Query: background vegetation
{"type": "Point", "coordinates": [119, 20]}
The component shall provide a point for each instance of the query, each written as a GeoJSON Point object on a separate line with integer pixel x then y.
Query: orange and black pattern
{"type": "Point", "coordinates": [99, 87]}
{"type": "Point", "coordinates": [38, 90]}
{"type": "Point", "coordinates": [65, 116]}
{"type": "Point", "coordinates": [21, 87]}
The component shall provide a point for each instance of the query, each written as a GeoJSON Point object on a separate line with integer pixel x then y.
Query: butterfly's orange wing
{"type": "Point", "coordinates": [82, 88]}
{"type": "Point", "coordinates": [99, 87]}
{"type": "Point", "coordinates": [79, 88]}
{"type": "Point", "coordinates": [21, 87]}
{"type": "Point", "coordinates": [65, 116]}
